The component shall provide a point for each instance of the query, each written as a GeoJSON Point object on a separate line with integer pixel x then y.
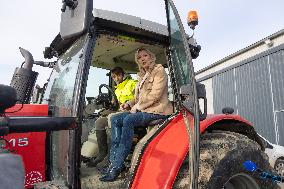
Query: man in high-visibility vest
{"type": "Point", "coordinates": [124, 91]}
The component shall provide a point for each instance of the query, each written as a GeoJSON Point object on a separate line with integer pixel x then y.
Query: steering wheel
{"type": "Point", "coordinates": [104, 101]}
{"type": "Point", "coordinates": [109, 100]}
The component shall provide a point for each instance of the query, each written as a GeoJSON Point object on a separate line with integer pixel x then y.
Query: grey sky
{"type": "Point", "coordinates": [224, 27]}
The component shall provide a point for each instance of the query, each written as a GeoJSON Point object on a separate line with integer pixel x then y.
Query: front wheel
{"type": "Point", "coordinates": [222, 155]}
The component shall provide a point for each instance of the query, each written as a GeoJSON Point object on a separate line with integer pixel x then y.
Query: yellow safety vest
{"type": "Point", "coordinates": [125, 90]}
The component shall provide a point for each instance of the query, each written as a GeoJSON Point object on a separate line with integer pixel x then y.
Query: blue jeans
{"type": "Point", "coordinates": [122, 130]}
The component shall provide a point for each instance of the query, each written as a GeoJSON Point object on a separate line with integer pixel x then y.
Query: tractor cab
{"type": "Point", "coordinates": [81, 86]}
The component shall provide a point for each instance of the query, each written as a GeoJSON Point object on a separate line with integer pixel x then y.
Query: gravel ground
{"type": "Point", "coordinates": [90, 179]}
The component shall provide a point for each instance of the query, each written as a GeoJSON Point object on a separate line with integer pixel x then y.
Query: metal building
{"type": "Point", "coordinates": [252, 82]}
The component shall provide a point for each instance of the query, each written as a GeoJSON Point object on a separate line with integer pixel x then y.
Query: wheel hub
{"type": "Point", "coordinates": [241, 181]}
{"type": "Point", "coordinates": [279, 168]}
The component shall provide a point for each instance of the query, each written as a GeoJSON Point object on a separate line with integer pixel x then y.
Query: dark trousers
{"type": "Point", "coordinates": [122, 133]}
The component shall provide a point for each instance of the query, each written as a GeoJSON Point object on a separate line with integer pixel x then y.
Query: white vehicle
{"type": "Point", "coordinates": [276, 156]}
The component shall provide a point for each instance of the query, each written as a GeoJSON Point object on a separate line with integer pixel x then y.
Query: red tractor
{"type": "Point", "coordinates": [189, 150]}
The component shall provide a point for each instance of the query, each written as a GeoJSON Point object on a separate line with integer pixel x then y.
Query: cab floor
{"type": "Point", "coordinates": [90, 179]}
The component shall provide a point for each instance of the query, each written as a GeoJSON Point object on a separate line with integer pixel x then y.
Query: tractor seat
{"type": "Point", "coordinates": [140, 132]}
{"type": "Point", "coordinates": [154, 123]}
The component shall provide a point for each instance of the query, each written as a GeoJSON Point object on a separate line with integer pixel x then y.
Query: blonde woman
{"type": "Point", "coordinates": [150, 103]}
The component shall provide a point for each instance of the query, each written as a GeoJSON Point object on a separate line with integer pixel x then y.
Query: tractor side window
{"type": "Point", "coordinates": [179, 58]}
{"type": "Point", "coordinates": [62, 81]}
{"type": "Point", "coordinates": [97, 76]}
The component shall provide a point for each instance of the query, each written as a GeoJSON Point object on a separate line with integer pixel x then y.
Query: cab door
{"type": "Point", "coordinates": [182, 74]}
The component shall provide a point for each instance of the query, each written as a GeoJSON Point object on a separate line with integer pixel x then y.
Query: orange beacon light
{"type": "Point", "coordinates": [192, 19]}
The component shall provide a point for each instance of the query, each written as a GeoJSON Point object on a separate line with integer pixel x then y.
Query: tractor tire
{"type": "Point", "coordinates": [222, 155]}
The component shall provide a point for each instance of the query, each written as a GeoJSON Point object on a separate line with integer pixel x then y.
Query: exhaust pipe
{"type": "Point", "coordinates": [24, 78]}
{"type": "Point", "coordinates": [29, 60]}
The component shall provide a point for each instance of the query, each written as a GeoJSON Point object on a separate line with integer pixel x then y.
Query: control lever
{"type": "Point", "coordinates": [35, 124]}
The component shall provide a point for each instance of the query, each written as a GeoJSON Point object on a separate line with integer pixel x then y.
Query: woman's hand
{"type": "Point", "coordinates": [133, 109]}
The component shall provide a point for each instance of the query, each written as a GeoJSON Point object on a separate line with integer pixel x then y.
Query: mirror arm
{"type": "Point", "coordinates": [188, 102]}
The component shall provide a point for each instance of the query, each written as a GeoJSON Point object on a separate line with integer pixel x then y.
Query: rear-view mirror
{"type": "Point", "coordinates": [76, 17]}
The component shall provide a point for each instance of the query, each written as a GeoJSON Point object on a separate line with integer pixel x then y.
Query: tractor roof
{"type": "Point", "coordinates": [119, 23]}
{"type": "Point", "coordinates": [133, 21]}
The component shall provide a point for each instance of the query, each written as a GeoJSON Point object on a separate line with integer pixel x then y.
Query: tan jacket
{"type": "Point", "coordinates": [153, 92]}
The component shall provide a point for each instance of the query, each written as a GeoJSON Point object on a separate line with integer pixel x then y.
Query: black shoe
{"type": "Point", "coordinates": [93, 162]}
{"type": "Point", "coordinates": [104, 163]}
{"type": "Point", "coordinates": [104, 170]}
{"type": "Point", "coordinates": [112, 174]}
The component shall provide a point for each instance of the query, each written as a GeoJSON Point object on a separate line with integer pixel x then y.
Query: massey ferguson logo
{"type": "Point", "coordinates": [33, 177]}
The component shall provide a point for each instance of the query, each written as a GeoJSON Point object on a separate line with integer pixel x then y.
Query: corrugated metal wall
{"type": "Point", "coordinates": [224, 91]}
{"type": "Point", "coordinates": [254, 96]}
{"type": "Point", "coordinates": [255, 90]}
{"type": "Point", "coordinates": [276, 63]}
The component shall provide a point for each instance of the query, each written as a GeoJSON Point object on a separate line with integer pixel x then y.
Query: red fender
{"type": "Point", "coordinates": [164, 155]}
{"type": "Point", "coordinates": [211, 119]}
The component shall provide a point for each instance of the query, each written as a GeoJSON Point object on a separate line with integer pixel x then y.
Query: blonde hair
{"type": "Point", "coordinates": [152, 55]}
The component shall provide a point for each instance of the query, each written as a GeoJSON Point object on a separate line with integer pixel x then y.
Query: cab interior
{"type": "Point", "coordinates": [111, 51]}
